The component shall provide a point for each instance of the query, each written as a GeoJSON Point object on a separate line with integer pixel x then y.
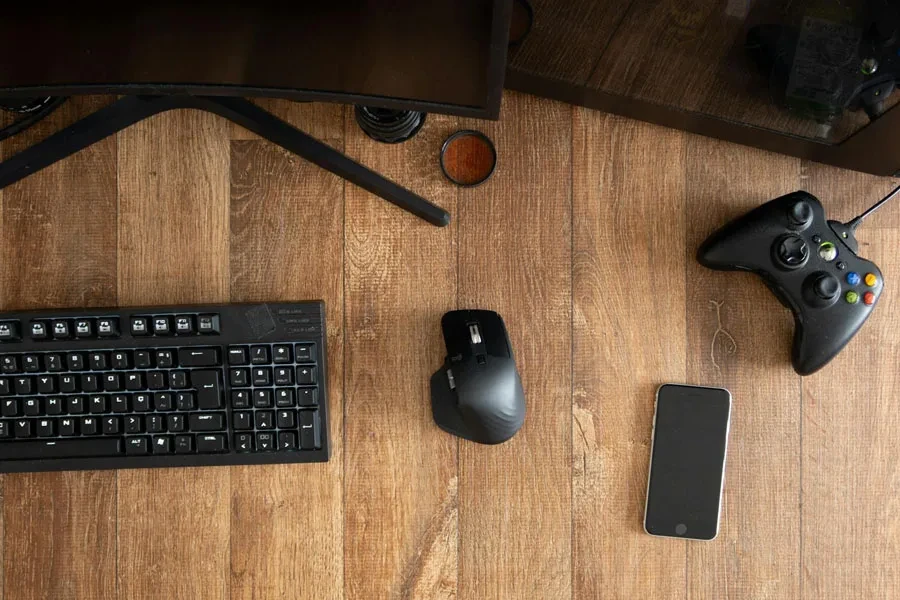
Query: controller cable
{"type": "Point", "coordinates": [854, 223]}
{"type": "Point", "coordinates": [33, 113]}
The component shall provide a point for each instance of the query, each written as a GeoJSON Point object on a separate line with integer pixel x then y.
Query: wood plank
{"type": "Point", "coordinates": [739, 338]}
{"type": "Point", "coordinates": [514, 257]}
{"type": "Point", "coordinates": [850, 422]}
{"type": "Point", "coordinates": [58, 249]}
{"type": "Point", "coordinates": [400, 470]}
{"type": "Point", "coordinates": [287, 245]}
{"type": "Point", "coordinates": [323, 121]}
{"type": "Point", "coordinates": [629, 337]}
{"type": "Point", "coordinates": [173, 248]}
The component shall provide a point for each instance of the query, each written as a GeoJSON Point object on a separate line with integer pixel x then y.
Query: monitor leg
{"type": "Point", "coordinates": [131, 109]}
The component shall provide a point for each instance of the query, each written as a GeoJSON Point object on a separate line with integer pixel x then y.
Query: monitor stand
{"type": "Point", "coordinates": [130, 109]}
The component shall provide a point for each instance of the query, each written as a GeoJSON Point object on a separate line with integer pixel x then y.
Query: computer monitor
{"type": "Point", "coordinates": [445, 56]}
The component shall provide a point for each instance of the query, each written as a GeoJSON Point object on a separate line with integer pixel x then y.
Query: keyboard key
{"type": "Point", "coordinates": [284, 376]}
{"type": "Point", "coordinates": [242, 421]}
{"type": "Point", "coordinates": [209, 391]}
{"type": "Point", "coordinates": [31, 363]}
{"type": "Point", "coordinates": [208, 324]}
{"type": "Point", "coordinates": [134, 424]}
{"type": "Point", "coordinates": [155, 424]}
{"type": "Point", "coordinates": [285, 419]}
{"type": "Point", "coordinates": [120, 403]}
{"type": "Point", "coordinates": [139, 326]}
{"type": "Point", "coordinates": [281, 355]}
{"type": "Point", "coordinates": [198, 357]}
{"type": "Point", "coordinates": [75, 361]}
{"type": "Point", "coordinates": [239, 377]}
{"type": "Point", "coordinates": [54, 363]}
{"type": "Point", "coordinates": [240, 399]}
{"type": "Point", "coordinates": [68, 384]}
{"type": "Point", "coordinates": [310, 435]}
{"type": "Point", "coordinates": [307, 397]}
{"type": "Point", "coordinates": [60, 329]}
{"type": "Point", "coordinates": [265, 442]}
{"type": "Point", "coordinates": [134, 382]}
{"type": "Point", "coordinates": [305, 353]}
{"type": "Point", "coordinates": [60, 449]}
{"type": "Point", "coordinates": [185, 401]}
{"type": "Point", "coordinates": [265, 419]}
{"type": "Point", "coordinates": [99, 361]}
{"type": "Point", "coordinates": [176, 423]}
{"type": "Point", "coordinates": [84, 328]}
{"type": "Point", "coordinates": [207, 421]}
{"type": "Point", "coordinates": [107, 328]}
{"type": "Point", "coordinates": [243, 442]}
{"type": "Point", "coordinates": [112, 425]}
{"type": "Point", "coordinates": [38, 330]}
{"type": "Point", "coordinates": [120, 360]}
{"type": "Point", "coordinates": [162, 325]}
{"type": "Point", "coordinates": [90, 383]}
{"type": "Point", "coordinates": [9, 365]}
{"type": "Point", "coordinates": [75, 405]}
{"type": "Point", "coordinates": [5, 387]}
{"type": "Point", "coordinates": [178, 380]}
{"type": "Point", "coordinates": [98, 404]}
{"type": "Point", "coordinates": [184, 444]}
{"type": "Point", "coordinates": [142, 402]}
{"type": "Point", "coordinates": [165, 359]}
{"type": "Point", "coordinates": [46, 384]}
{"type": "Point", "coordinates": [287, 440]}
{"type": "Point", "coordinates": [259, 355]}
{"type": "Point", "coordinates": [184, 324]}
{"type": "Point", "coordinates": [306, 375]}
{"type": "Point", "coordinates": [5, 431]}
{"type": "Point", "coordinates": [211, 443]}
{"type": "Point", "coordinates": [143, 359]}
{"type": "Point", "coordinates": [112, 382]}
{"type": "Point", "coordinates": [9, 331]}
{"type": "Point", "coordinates": [162, 444]}
{"type": "Point", "coordinates": [31, 407]}
{"type": "Point", "coordinates": [89, 426]}
{"type": "Point", "coordinates": [23, 385]}
{"type": "Point", "coordinates": [262, 398]}
{"type": "Point", "coordinates": [262, 376]}
{"type": "Point", "coordinates": [45, 428]}
{"type": "Point", "coordinates": [54, 406]}
{"type": "Point", "coordinates": [10, 408]}
{"type": "Point", "coordinates": [284, 398]}
{"type": "Point", "coordinates": [163, 401]}
{"type": "Point", "coordinates": [67, 427]}
{"type": "Point", "coordinates": [156, 380]}
{"type": "Point", "coordinates": [136, 446]}
{"type": "Point", "coordinates": [237, 356]}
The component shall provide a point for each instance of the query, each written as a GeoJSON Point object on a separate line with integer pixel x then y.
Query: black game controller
{"type": "Point", "coordinates": [810, 264]}
{"type": "Point", "coordinates": [826, 66]}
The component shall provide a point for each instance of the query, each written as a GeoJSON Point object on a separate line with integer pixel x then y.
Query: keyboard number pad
{"type": "Point", "coordinates": [274, 396]}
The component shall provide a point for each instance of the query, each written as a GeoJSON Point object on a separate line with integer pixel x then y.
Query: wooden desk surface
{"type": "Point", "coordinates": [584, 241]}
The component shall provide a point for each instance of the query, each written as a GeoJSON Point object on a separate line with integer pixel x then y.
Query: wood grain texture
{"type": "Point", "coordinates": [400, 470]}
{"type": "Point", "coordinates": [515, 258]}
{"type": "Point", "coordinates": [739, 338]}
{"type": "Point", "coordinates": [174, 524]}
{"type": "Point", "coordinates": [57, 249]}
{"type": "Point", "coordinates": [629, 336]}
{"type": "Point", "coordinates": [320, 120]}
{"type": "Point", "coordinates": [287, 245]}
{"type": "Point", "coordinates": [851, 509]}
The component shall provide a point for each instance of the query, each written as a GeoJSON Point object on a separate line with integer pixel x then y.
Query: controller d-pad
{"type": "Point", "coordinates": [791, 251]}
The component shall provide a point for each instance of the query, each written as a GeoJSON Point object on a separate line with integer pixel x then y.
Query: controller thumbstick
{"type": "Point", "coordinates": [826, 287]}
{"type": "Point", "coordinates": [800, 215]}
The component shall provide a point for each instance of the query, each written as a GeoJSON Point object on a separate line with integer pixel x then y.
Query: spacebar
{"type": "Point", "coordinates": [60, 449]}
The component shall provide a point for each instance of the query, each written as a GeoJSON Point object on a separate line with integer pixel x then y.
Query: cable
{"type": "Point", "coordinates": [32, 117]}
{"type": "Point", "coordinates": [854, 223]}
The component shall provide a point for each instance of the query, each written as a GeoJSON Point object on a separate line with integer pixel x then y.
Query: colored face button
{"type": "Point", "coordinates": [871, 279]}
{"type": "Point", "coordinates": [853, 278]}
{"type": "Point", "coordinates": [869, 298]}
{"type": "Point", "coordinates": [851, 297]}
{"type": "Point", "coordinates": [827, 251]}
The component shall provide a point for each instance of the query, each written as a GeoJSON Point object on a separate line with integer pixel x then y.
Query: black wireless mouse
{"type": "Point", "coordinates": [477, 394]}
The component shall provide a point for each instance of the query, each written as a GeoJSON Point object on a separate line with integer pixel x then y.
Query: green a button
{"type": "Point", "coordinates": [851, 297]}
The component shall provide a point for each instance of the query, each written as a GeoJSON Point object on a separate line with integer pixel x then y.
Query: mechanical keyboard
{"type": "Point", "coordinates": [163, 387]}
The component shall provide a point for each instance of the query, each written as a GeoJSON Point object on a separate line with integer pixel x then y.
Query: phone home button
{"type": "Point", "coordinates": [681, 529]}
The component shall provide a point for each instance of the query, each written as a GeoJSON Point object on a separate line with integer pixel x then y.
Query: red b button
{"type": "Point", "coordinates": [869, 298]}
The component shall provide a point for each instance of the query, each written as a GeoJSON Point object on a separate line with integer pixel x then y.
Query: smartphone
{"type": "Point", "coordinates": [687, 461]}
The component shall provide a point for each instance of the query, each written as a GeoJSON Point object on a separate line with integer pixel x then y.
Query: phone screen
{"type": "Point", "coordinates": [687, 463]}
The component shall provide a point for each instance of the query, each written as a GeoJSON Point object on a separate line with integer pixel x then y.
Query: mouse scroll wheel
{"type": "Point", "coordinates": [451, 380]}
{"type": "Point", "coordinates": [474, 333]}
